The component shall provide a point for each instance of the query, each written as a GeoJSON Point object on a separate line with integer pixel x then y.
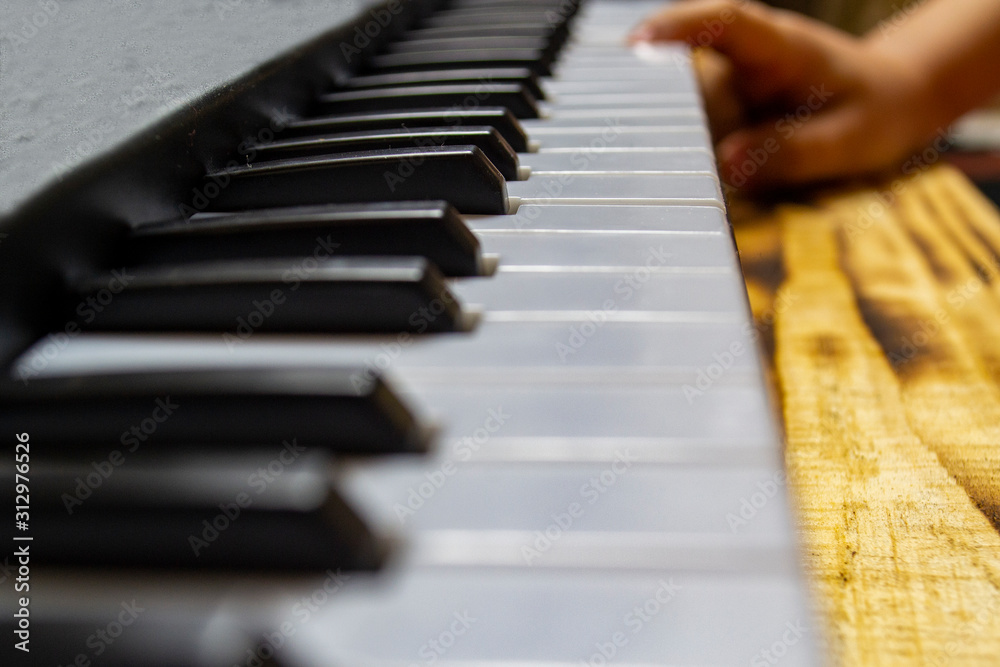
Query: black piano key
{"type": "Point", "coordinates": [345, 410]}
{"type": "Point", "coordinates": [350, 295]}
{"type": "Point", "coordinates": [462, 175]}
{"type": "Point", "coordinates": [269, 510]}
{"type": "Point", "coordinates": [537, 60]}
{"type": "Point", "coordinates": [519, 75]}
{"type": "Point", "coordinates": [496, 117]}
{"type": "Point", "coordinates": [487, 139]}
{"type": "Point", "coordinates": [490, 93]}
{"type": "Point", "coordinates": [433, 230]}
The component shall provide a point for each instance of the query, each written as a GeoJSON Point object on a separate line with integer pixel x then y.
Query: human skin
{"type": "Point", "coordinates": [820, 103]}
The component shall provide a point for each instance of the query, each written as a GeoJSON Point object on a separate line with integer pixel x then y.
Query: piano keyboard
{"type": "Point", "coordinates": [456, 369]}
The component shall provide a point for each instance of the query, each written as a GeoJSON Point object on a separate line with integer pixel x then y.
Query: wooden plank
{"type": "Point", "coordinates": [892, 438]}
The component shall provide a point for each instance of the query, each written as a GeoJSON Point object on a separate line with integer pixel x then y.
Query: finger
{"type": "Point", "coordinates": [746, 32]}
{"type": "Point", "coordinates": [791, 151]}
{"type": "Point", "coordinates": [723, 105]}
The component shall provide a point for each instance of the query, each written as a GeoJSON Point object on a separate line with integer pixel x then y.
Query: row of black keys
{"type": "Point", "coordinates": [138, 505]}
{"type": "Point", "coordinates": [419, 93]}
{"type": "Point", "coordinates": [378, 183]}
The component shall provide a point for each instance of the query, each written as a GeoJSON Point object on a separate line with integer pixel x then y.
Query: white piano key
{"type": "Point", "coordinates": [574, 49]}
{"type": "Point", "coordinates": [619, 14]}
{"type": "Point", "coordinates": [609, 63]}
{"type": "Point", "coordinates": [639, 115]}
{"type": "Point", "coordinates": [601, 36]}
{"type": "Point", "coordinates": [667, 83]}
{"type": "Point", "coordinates": [614, 59]}
{"type": "Point", "coordinates": [655, 501]}
{"type": "Point", "coordinates": [625, 345]}
{"type": "Point", "coordinates": [650, 251]}
{"type": "Point", "coordinates": [626, 100]}
{"type": "Point", "coordinates": [624, 188]}
{"type": "Point", "coordinates": [599, 73]}
{"type": "Point", "coordinates": [677, 219]}
{"type": "Point", "coordinates": [673, 418]}
{"type": "Point", "coordinates": [544, 618]}
{"type": "Point", "coordinates": [611, 135]}
{"type": "Point", "coordinates": [576, 290]}
{"type": "Point", "coordinates": [662, 160]}
{"type": "Point", "coordinates": [603, 346]}
{"type": "Point", "coordinates": [629, 66]}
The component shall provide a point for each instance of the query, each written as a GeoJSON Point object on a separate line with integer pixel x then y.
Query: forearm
{"type": "Point", "coordinates": [955, 47]}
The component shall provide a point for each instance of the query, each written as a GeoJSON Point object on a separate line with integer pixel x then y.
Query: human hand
{"type": "Point", "coordinates": [792, 100]}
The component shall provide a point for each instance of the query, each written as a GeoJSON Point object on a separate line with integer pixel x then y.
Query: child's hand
{"type": "Point", "coordinates": [792, 100]}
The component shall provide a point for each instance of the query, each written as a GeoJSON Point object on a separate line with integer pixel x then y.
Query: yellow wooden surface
{"type": "Point", "coordinates": [881, 309]}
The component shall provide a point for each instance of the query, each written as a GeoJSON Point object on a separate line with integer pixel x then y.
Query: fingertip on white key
{"type": "Point", "coordinates": [676, 53]}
